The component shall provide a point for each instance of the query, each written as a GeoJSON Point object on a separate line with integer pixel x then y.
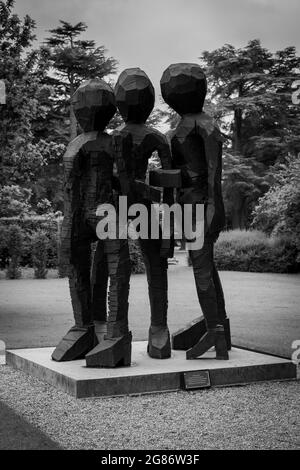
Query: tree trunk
{"type": "Point", "coordinates": [238, 217]}
{"type": "Point", "coordinates": [238, 121]}
{"type": "Point", "coordinates": [237, 129]}
{"type": "Point", "coordinates": [73, 122]}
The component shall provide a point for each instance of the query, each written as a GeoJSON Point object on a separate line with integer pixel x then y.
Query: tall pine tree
{"type": "Point", "coordinates": [72, 61]}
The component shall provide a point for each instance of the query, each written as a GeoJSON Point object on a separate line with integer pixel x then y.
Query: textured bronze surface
{"type": "Point", "coordinates": [136, 142]}
{"type": "Point", "coordinates": [88, 164]}
{"type": "Point", "coordinates": [196, 145]}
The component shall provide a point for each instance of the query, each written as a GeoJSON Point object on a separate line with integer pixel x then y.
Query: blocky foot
{"type": "Point", "coordinates": [214, 337]}
{"type": "Point", "coordinates": [100, 330]}
{"type": "Point", "coordinates": [111, 352]}
{"type": "Point", "coordinates": [186, 337]}
{"type": "Point", "coordinates": [76, 344]}
{"type": "Point", "coordinates": [159, 345]}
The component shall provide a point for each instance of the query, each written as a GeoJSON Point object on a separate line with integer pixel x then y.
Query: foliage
{"type": "Point", "coordinates": [242, 186]}
{"type": "Point", "coordinates": [14, 201]}
{"type": "Point", "coordinates": [40, 241]}
{"type": "Point", "coordinates": [250, 95]}
{"type": "Point", "coordinates": [23, 156]}
{"type": "Point", "coordinates": [74, 60]}
{"type": "Point", "coordinates": [39, 246]}
{"type": "Point", "coordinates": [278, 211]}
{"type": "Point", "coordinates": [29, 227]}
{"type": "Point", "coordinates": [12, 241]}
{"type": "Point", "coordinates": [254, 251]}
{"type": "Point", "coordinates": [251, 87]}
{"type": "Point", "coordinates": [136, 257]}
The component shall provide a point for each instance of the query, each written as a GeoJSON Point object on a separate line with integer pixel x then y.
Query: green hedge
{"type": "Point", "coordinates": [33, 242]}
{"type": "Point", "coordinates": [40, 239]}
{"type": "Point", "coordinates": [29, 226]}
{"type": "Point", "coordinates": [254, 251]}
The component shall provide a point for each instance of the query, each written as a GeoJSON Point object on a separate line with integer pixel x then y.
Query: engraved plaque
{"type": "Point", "coordinates": [196, 379]}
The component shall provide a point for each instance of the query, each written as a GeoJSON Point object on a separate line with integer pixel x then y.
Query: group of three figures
{"type": "Point", "coordinates": [100, 167]}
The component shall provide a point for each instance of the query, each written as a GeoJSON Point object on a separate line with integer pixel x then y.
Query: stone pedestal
{"type": "Point", "coordinates": [147, 375]}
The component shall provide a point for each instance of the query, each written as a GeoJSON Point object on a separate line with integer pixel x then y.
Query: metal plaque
{"type": "Point", "coordinates": [196, 379]}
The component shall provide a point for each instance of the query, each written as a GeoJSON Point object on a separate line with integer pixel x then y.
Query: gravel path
{"type": "Point", "coordinates": [260, 416]}
{"type": "Point", "coordinates": [17, 434]}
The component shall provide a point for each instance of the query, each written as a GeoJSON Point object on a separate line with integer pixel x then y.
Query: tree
{"type": "Point", "coordinates": [23, 155]}
{"type": "Point", "coordinates": [241, 188]}
{"type": "Point", "coordinates": [250, 94]}
{"type": "Point", "coordinates": [15, 65]}
{"type": "Point", "coordinates": [74, 60]}
{"type": "Point", "coordinates": [238, 82]}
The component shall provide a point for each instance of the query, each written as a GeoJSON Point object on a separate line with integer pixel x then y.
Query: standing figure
{"type": "Point", "coordinates": [103, 339]}
{"type": "Point", "coordinates": [135, 100]}
{"type": "Point", "coordinates": [197, 150]}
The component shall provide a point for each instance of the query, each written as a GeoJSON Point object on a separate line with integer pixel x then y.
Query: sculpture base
{"type": "Point", "coordinates": [147, 375]}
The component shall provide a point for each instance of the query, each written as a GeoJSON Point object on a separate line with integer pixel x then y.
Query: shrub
{"type": "Point", "coordinates": [14, 201]}
{"type": "Point", "coordinates": [278, 211]}
{"type": "Point", "coordinates": [29, 226]}
{"type": "Point", "coordinates": [39, 246]}
{"type": "Point", "coordinates": [14, 241]}
{"type": "Point", "coordinates": [254, 251]}
{"type": "Point", "coordinates": [4, 254]}
{"type": "Point", "coordinates": [136, 257]}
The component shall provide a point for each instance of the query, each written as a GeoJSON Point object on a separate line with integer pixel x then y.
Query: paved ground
{"type": "Point", "coordinates": [263, 308]}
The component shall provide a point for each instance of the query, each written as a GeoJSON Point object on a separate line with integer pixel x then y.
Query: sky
{"type": "Point", "coordinates": [152, 34]}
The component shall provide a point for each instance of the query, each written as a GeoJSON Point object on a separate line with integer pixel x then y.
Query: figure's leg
{"type": "Point", "coordinates": [99, 283]}
{"type": "Point", "coordinates": [186, 337]}
{"type": "Point", "coordinates": [115, 349]}
{"type": "Point", "coordinates": [80, 339]}
{"type": "Point", "coordinates": [203, 267]}
{"type": "Point", "coordinates": [159, 345]}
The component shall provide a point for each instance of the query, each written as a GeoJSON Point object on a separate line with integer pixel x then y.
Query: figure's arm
{"type": "Point", "coordinates": [161, 145]}
{"type": "Point", "coordinates": [73, 149]}
{"type": "Point", "coordinates": [71, 190]}
{"type": "Point", "coordinates": [122, 145]}
{"type": "Point", "coordinates": [213, 154]}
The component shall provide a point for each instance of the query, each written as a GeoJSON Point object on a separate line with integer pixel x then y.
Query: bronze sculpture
{"type": "Point", "coordinates": [135, 100]}
{"type": "Point", "coordinates": [197, 151]}
{"type": "Point", "coordinates": [103, 339]}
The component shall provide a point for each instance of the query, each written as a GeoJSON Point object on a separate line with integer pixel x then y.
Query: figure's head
{"type": "Point", "coordinates": [135, 95]}
{"type": "Point", "coordinates": [94, 105]}
{"type": "Point", "coordinates": [184, 87]}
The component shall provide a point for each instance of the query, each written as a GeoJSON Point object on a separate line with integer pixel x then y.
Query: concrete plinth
{"type": "Point", "coordinates": [148, 375]}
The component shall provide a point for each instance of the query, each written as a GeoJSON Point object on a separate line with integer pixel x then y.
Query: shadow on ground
{"type": "Point", "coordinates": [17, 434]}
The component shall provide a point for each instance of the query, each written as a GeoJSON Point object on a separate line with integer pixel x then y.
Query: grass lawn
{"type": "Point", "coordinates": [263, 308]}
